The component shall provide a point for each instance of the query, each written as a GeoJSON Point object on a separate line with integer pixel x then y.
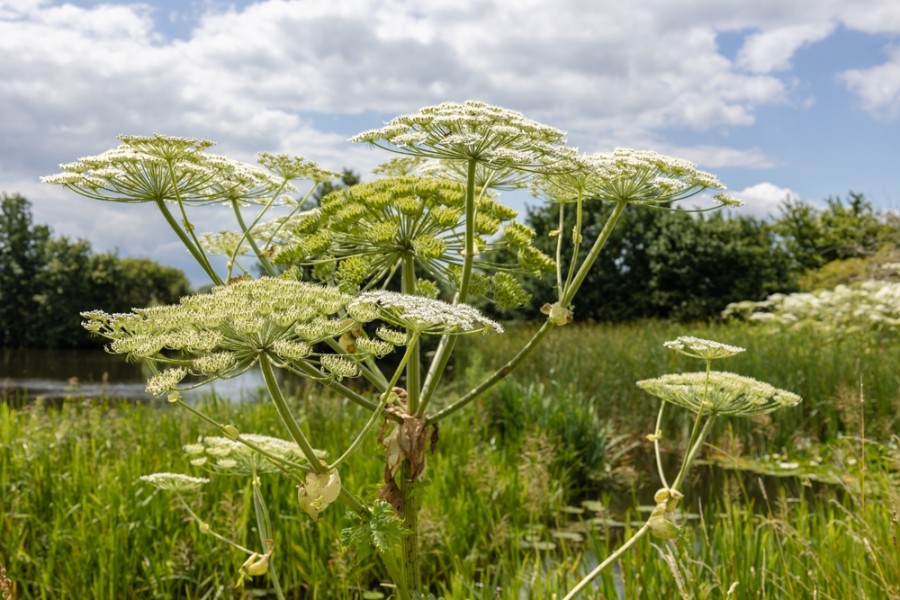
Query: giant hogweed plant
{"type": "Point", "coordinates": [325, 304]}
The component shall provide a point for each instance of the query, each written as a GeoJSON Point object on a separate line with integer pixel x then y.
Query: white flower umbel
{"type": "Point", "coordinates": [175, 482]}
{"type": "Point", "coordinates": [719, 393]}
{"type": "Point", "coordinates": [162, 168]}
{"type": "Point", "coordinates": [223, 333]}
{"type": "Point", "coordinates": [229, 456]}
{"type": "Point", "coordinates": [866, 306]}
{"type": "Point", "coordinates": [633, 177]}
{"type": "Point", "coordinates": [471, 130]}
{"type": "Point", "coordinates": [700, 348]}
{"type": "Point", "coordinates": [422, 315]}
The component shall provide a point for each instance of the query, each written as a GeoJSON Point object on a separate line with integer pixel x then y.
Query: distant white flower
{"type": "Point", "coordinates": [719, 393]}
{"type": "Point", "coordinates": [174, 482]}
{"type": "Point", "coordinates": [868, 305]}
{"type": "Point", "coordinates": [700, 348]}
{"type": "Point", "coordinates": [233, 457]}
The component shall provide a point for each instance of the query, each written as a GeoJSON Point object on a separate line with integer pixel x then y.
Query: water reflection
{"type": "Point", "coordinates": [26, 374]}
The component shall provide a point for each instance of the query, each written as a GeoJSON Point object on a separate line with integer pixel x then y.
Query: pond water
{"type": "Point", "coordinates": [31, 373]}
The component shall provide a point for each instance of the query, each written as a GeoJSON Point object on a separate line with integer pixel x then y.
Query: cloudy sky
{"type": "Point", "coordinates": [777, 98]}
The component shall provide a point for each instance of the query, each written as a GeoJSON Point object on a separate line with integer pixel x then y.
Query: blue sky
{"type": "Point", "coordinates": [779, 99]}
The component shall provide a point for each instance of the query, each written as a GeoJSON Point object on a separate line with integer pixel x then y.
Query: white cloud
{"type": "Point", "coordinates": [763, 199]}
{"type": "Point", "coordinates": [878, 87]}
{"type": "Point", "coordinates": [772, 50]}
{"type": "Point", "coordinates": [267, 76]}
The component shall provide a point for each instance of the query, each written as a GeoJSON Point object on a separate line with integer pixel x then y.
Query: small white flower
{"type": "Point", "coordinates": [701, 348]}
{"type": "Point", "coordinates": [719, 393]}
{"type": "Point", "coordinates": [175, 482]}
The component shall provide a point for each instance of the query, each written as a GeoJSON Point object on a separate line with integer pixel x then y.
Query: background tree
{"type": "Point", "coordinates": [46, 282]}
{"type": "Point", "coordinates": [841, 230]}
{"type": "Point", "coordinates": [22, 256]}
{"type": "Point", "coordinates": [673, 263]}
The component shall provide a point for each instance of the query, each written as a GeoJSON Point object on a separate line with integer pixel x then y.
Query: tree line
{"type": "Point", "coordinates": [666, 264]}
{"type": "Point", "coordinates": [675, 264]}
{"type": "Point", "coordinates": [47, 281]}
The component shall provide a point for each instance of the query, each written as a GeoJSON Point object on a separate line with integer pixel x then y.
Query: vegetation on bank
{"type": "Point", "coordinates": [46, 281]}
{"type": "Point", "coordinates": [532, 481]}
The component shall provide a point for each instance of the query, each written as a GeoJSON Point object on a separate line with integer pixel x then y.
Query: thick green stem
{"type": "Point", "coordinates": [447, 343]}
{"type": "Point", "coordinates": [569, 293]}
{"type": "Point", "coordinates": [469, 258]}
{"type": "Point", "coordinates": [408, 491]}
{"type": "Point", "coordinates": [609, 560]}
{"type": "Point", "coordinates": [194, 249]}
{"type": "Point", "coordinates": [656, 435]}
{"type": "Point", "coordinates": [414, 365]}
{"type": "Point", "coordinates": [692, 452]}
{"type": "Point", "coordinates": [264, 528]}
{"type": "Point", "coordinates": [287, 417]}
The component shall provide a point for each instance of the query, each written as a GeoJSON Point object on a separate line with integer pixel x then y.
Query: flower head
{"type": "Point", "coordinates": [223, 333]}
{"type": "Point", "coordinates": [162, 168]}
{"type": "Point", "coordinates": [174, 482]}
{"type": "Point", "coordinates": [471, 130]}
{"type": "Point", "coordinates": [229, 456]}
{"type": "Point", "coordinates": [630, 176]}
{"type": "Point", "coordinates": [422, 315]}
{"type": "Point", "coordinates": [719, 393]}
{"type": "Point", "coordinates": [700, 348]}
{"type": "Point", "coordinates": [361, 236]}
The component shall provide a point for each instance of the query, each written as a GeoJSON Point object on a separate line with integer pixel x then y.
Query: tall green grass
{"type": "Point", "coordinates": [599, 365]}
{"type": "Point", "coordinates": [502, 515]}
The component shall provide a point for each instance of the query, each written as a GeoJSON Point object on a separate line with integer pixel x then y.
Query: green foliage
{"type": "Point", "coordinates": [46, 282]}
{"type": "Point", "coordinates": [670, 263]}
{"type": "Point", "coordinates": [815, 237]}
{"type": "Point", "coordinates": [884, 265]}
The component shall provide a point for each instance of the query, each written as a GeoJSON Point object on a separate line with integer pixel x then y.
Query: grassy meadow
{"type": "Point", "coordinates": [528, 488]}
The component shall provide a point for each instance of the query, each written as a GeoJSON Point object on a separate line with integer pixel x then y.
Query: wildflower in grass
{"type": "Point", "coordinates": [700, 348]}
{"type": "Point", "coordinates": [234, 457]}
{"type": "Point", "coordinates": [866, 306]}
{"type": "Point", "coordinates": [719, 393]}
{"type": "Point", "coordinates": [423, 315]}
{"type": "Point", "coordinates": [174, 482]}
{"type": "Point", "coordinates": [470, 131]}
{"type": "Point", "coordinates": [222, 334]}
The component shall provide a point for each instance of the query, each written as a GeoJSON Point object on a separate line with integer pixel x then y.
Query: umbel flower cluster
{"type": "Point", "coordinates": [866, 306]}
{"type": "Point", "coordinates": [719, 393]}
{"type": "Point", "coordinates": [161, 168]}
{"type": "Point", "coordinates": [223, 334]}
{"type": "Point", "coordinates": [640, 177]}
{"type": "Point", "coordinates": [245, 457]}
{"type": "Point", "coordinates": [361, 236]}
{"type": "Point", "coordinates": [715, 393]}
{"type": "Point", "coordinates": [471, 131]}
